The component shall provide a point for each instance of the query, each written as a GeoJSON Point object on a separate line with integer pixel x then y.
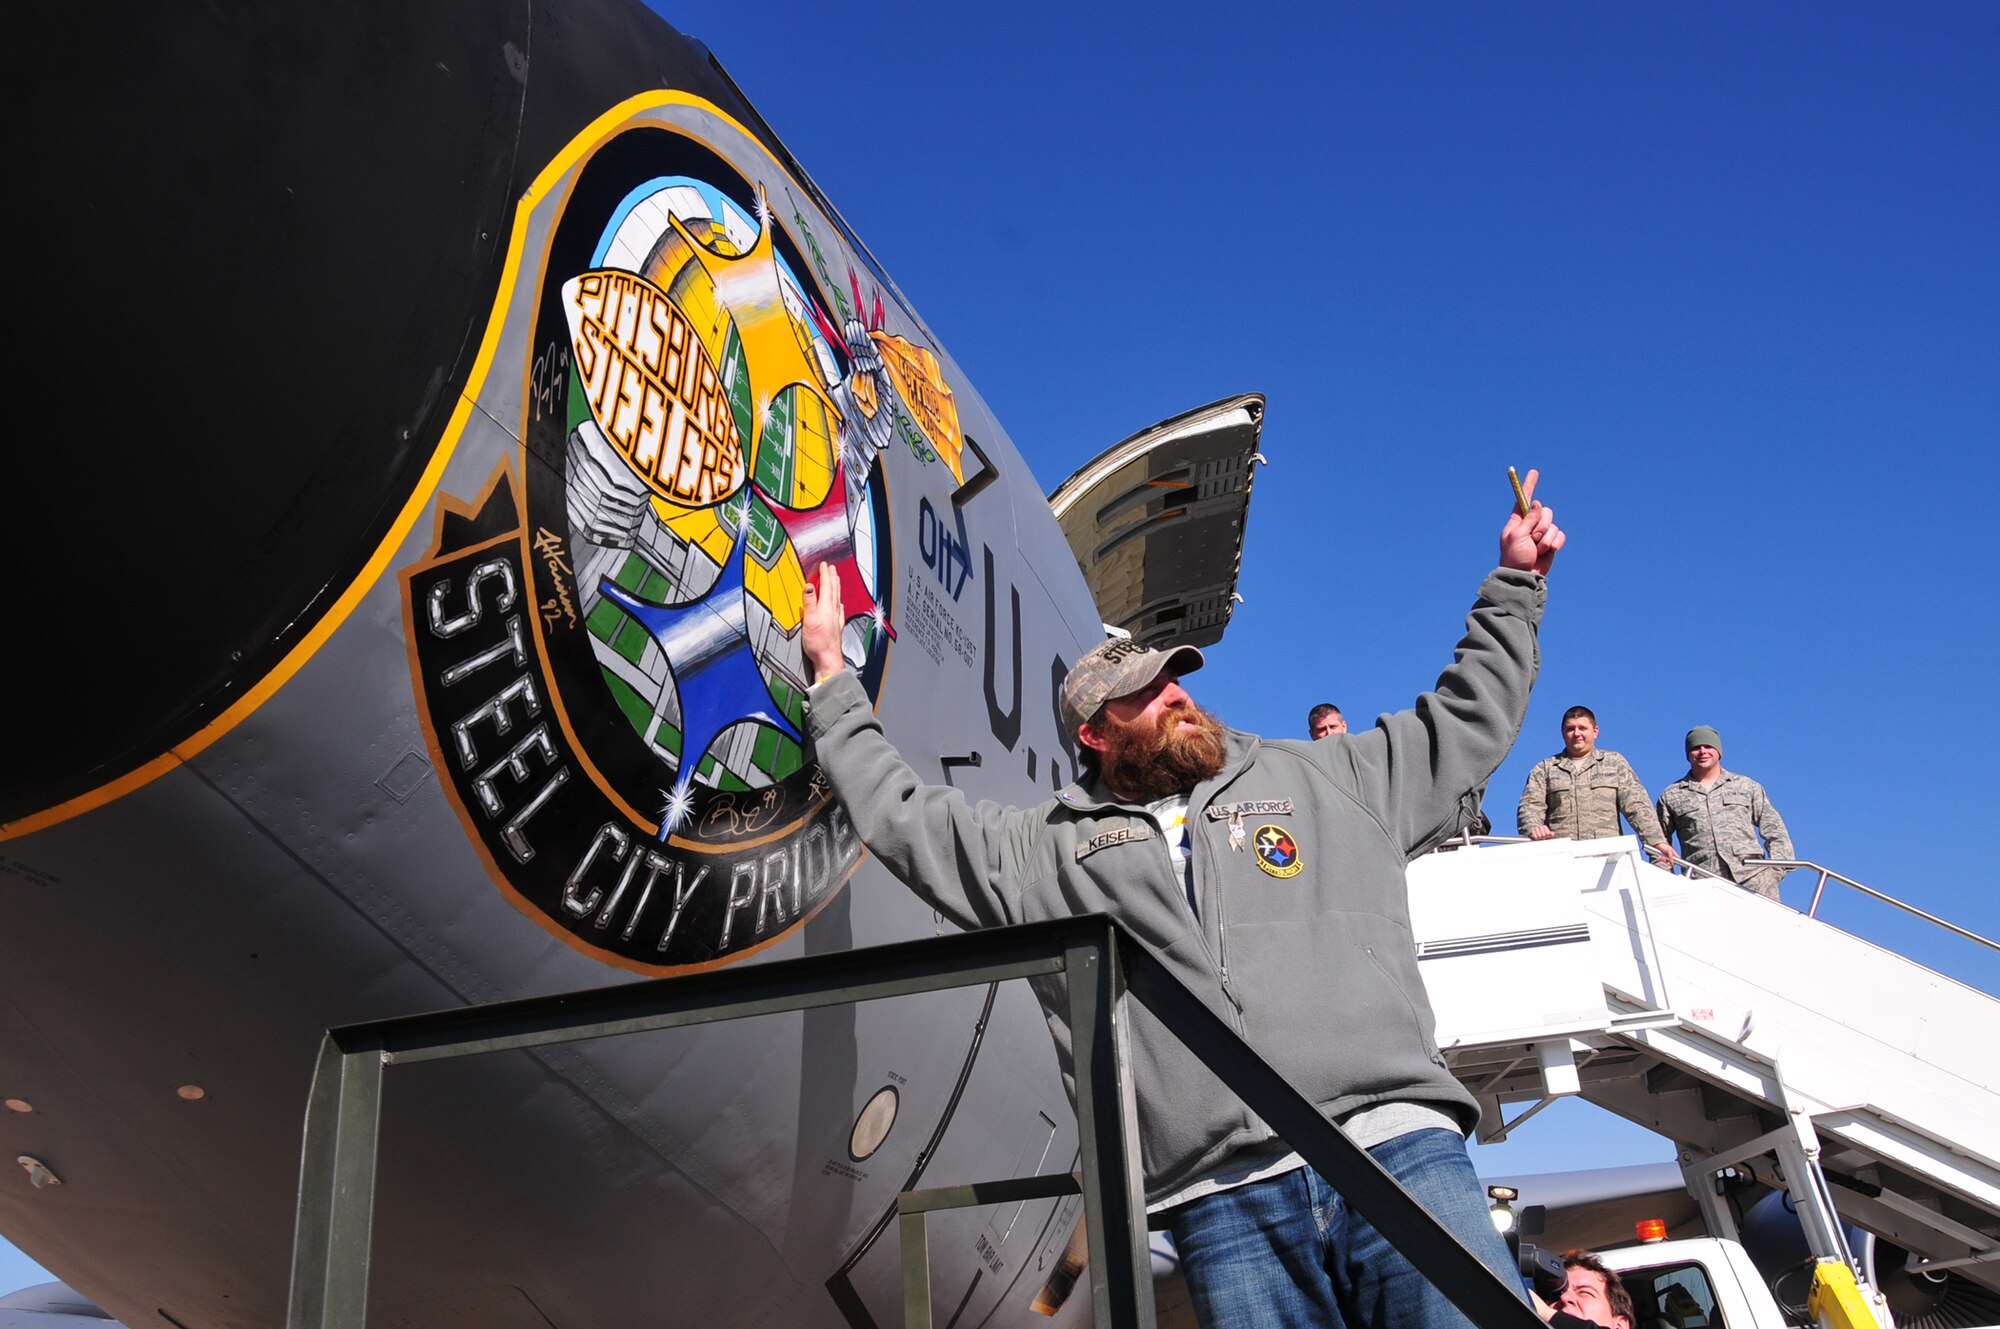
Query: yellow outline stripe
{"type": "Point", "coordinates": [420, 497]}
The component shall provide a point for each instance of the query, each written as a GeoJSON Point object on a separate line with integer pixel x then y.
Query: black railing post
{"type": "Point", "coordinates": [1114, 1207]}
{"type": "Point", "coordinates": [331, 1243]}
{"type": "Point", "coordinates": [916, 1244]}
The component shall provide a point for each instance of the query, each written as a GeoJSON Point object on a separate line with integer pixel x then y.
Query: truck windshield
{"type": "Point", "coordinates": [1673, 1296]}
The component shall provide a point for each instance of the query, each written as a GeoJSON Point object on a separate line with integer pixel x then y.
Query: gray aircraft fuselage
{"type": "Point", "coordinates": [490, 380]}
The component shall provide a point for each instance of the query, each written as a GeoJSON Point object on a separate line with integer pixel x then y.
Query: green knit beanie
{"type": "Point", "coordinates": [1704, 736]}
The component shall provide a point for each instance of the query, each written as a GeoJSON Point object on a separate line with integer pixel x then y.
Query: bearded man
{"type": "Point", "coordinates": [1268, 876]}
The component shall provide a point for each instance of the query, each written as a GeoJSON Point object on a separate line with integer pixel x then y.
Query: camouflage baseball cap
{"type": "Point", "coordinates": [1114, 668]}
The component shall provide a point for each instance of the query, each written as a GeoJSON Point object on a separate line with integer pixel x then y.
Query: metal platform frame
{"type": "Point", "coordinates": [332, 1241]}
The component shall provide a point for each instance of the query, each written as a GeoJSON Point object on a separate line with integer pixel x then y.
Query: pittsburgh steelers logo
{"type": "Point", "coordinates": [1277, 851]}
{"type": "Point", "coordinates": [606, 641]}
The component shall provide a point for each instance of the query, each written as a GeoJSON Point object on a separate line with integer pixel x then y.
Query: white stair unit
{"type": "Point", "coordinates": [1751, 1035]}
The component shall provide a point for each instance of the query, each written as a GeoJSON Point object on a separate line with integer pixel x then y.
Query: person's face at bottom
{"type": "Point", "coordinates": [1328, 725]}
{"type": "Point", "coordinates": [1587, 1299]}
{"type": "Point", "coordinates": [1703, 759]}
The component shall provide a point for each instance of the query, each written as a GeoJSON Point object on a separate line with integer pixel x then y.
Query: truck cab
{"type": "Point", "coordinates": [1694, 1283]}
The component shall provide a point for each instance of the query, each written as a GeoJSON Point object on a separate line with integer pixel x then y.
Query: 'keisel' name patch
{"type": "Point", "coordinates": [1262, 807]}
{"type": "Point", "coordinates": [1123, 835]}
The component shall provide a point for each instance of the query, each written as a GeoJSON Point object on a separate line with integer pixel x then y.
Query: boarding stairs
{"type": "Point", "coordinates": [1757, 1038]}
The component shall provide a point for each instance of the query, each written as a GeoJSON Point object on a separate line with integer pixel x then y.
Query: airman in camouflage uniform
{"type": "Point", "coordinates": [1579, 792]}
{"type": "Point", "coordinates": [1718, 815]}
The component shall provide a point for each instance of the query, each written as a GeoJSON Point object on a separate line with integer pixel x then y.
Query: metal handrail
{"type": "Point", "coordinates": [1826, 874]}
{"type": "Point", "coordinates": [1788, 864]}
{"type": "Point", "coordinates": [332, 1241]}
{"type": "Point", "coordinates": [1466, 839]}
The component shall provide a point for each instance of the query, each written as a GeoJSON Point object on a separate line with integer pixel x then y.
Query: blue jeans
{"type": "Point", "coordinates": [1288, 1253]}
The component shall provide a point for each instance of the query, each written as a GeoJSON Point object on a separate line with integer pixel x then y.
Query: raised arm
{"type": "Point", "coordinates": [950, 852]}
{"type": "Point", "coordinates": [1414, 766]}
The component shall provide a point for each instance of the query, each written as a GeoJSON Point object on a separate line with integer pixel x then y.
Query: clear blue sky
{"type": "Point", "coordinates": [1730, 275]}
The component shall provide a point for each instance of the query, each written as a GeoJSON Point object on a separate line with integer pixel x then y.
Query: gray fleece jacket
{"type": "Point", "coordinates": [1302, 940]}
